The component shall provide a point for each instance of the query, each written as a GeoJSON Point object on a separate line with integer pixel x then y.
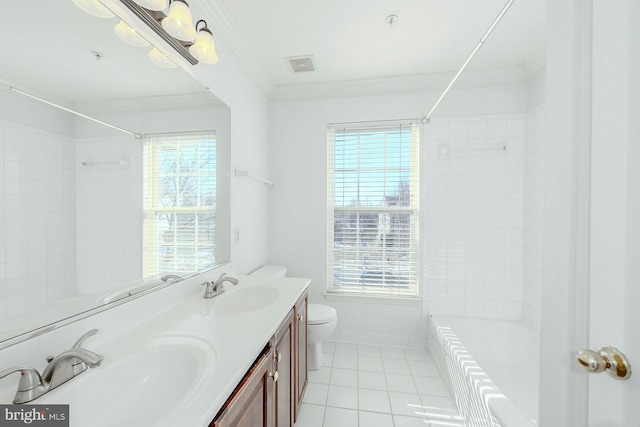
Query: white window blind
{"type": "Point", "coordinates": [179, 225]}
{"type": "Point", "coordinates": [372, 200]}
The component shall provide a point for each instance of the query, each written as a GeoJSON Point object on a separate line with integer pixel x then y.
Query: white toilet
{"type": "Point", "coordinates": [321, 319]}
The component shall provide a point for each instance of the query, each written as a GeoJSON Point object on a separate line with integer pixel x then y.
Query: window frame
{"type": "Point", "coordinates": [374, 287]}
{"type": "Point", "coordinates": [152, 205]}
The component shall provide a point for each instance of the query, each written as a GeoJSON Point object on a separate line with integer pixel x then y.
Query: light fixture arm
{"type": "Point", "coordinates": [204, 28]}
{"type": "Point", "coordinates": [427, 118]}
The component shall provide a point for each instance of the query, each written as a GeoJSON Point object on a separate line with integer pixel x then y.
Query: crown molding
{"type": "Point", "coordinates": [226, 29]}
{"type": "Point", "coordinates": [398, 84]}
{"type": "Point", "coordinates": [153, 103]}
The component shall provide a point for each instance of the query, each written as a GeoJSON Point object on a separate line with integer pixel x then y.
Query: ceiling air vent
{"type": "Point", "coordinates": [301, 64]}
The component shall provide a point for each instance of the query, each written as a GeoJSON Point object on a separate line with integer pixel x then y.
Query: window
{"type": "Point", "coordinates": [373, 177]}
{"type": "Point", "coordinates": [179, 224]}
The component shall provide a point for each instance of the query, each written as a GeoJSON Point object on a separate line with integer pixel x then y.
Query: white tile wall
{"type": "Point", "coordinates": [533, 215]}
{"type": "Point", "coordinates": [473, 209]}
{"type": "Point", "coordinates": [108, 212]}
{"type": "Point", "coordinates": [37, 194]}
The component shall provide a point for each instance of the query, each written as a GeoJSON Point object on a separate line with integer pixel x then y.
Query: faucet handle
{"type": "Point", "coordinates": [30, 384]}
{"type": "Point", "coordinates": [208, 292]}
{"type": "Point", "coordinates": [84, 337]}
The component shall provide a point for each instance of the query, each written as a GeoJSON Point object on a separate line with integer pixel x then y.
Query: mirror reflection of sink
{"type": "Point", "coordinates": [136, 389]}
{"type": "Point", "coordinates": [246, 300]}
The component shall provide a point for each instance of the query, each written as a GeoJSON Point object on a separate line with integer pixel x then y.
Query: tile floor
{"type": "Point", "coordinates": [372, 386]}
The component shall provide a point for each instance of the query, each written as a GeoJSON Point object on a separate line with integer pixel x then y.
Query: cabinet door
{"type": "Point", "coordinates": [283, 362]}
{"type": "Point", "coordinates": [251, 404]}
{"type": "Point", "coordinates": [300, 331]}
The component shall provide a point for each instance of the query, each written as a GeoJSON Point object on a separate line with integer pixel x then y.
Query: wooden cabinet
{"type": "Point", "coordinates": [270, 394]}
{"type": "Point", "coordinates": [251, 404]}
{"type": "Point", "coordinates": [300, 346]}
{"type": "Point", "coordinates": [283, 365]}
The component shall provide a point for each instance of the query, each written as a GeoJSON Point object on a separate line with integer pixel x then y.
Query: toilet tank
{"type": "Point", "coordinates": [270, 271]}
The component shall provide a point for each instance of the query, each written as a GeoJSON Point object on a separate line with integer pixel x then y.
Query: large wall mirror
{"type": "Point", "coordinates": [91, 216]}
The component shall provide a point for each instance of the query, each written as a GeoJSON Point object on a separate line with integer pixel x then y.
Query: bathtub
{"type": "Point", "coordinates": [491, 369]}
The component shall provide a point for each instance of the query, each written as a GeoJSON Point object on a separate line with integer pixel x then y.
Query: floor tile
{"type": "Point", "coordinates": [369, 350]}
{"type": "Point", "coordinates": [374, 401]}
{"type": "Point", "coordinates": [345, 361]}
{"type": "Point", "coordinates": [328, 346]}
{"type": "Point", "coordinates": [417, 354]}
{"type": "Point", "coordinates": [363, 385]}
{"type": "Point", "coordinates": [431, 386]}
{"type": "Point", "coordinates": [438, 404]}
{"type": "Point", "coordinates": [310, 416]}
{"type": "Point", "coordinates": [366, 363]}
{"type": "Point", "coordinates": [339, 417]}
{"type": "Point", "coordinates": [392, 353]}
{"type": "Point", "coordinates": [396, 366]}
{"type": "Point", "coordinates": [316, 394]}
{"type": "Point", "coordinates": [403, 421]}
{"type": "Point", "coordinates": [371, 419]}
{"type": "Point", "coordinates": [344, 377]}
{"type": "Point", "coordinates": [423, 369]}
{"type": "Point", "coordinates": [342, 397]}
{"type": "Point", "coordinates": [346, 348]}
{"type": "Point", "coordinates": [401, 383]}
{"type": "Point", "coordinates": [321, 376]}
{"type": "Point", "coordinates": [372, 380]}
{"type": "Point", "coordinates": [405, 404]}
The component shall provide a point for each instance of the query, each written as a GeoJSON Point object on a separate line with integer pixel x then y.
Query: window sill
{"type": "Point", "coordinates": [373, 299]}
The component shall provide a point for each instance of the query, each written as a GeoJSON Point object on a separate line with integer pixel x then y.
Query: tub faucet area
{"type": "Point", "coordinates": [60, 369]}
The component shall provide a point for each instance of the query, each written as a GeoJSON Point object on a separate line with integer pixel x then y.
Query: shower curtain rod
{"type": "Point", "coordinates": [427, 118]}
{"type": "Point", "coordinates": [68, 110]}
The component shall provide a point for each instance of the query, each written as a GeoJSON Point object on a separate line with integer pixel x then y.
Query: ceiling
{"type": "Point", "coordinates": [350, 40]}
{"type": "Point", "coordinates": [47, 51]}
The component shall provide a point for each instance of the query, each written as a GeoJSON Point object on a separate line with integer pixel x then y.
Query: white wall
{"type": "Point", "coordinates": [298, 205]}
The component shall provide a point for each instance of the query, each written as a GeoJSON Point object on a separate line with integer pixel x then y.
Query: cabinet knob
{"type": "Point", "coordinates": [274, 376]}
{"type": "Point", "coordinates": [277, 356]}
{"type": "Point", "coordinates": [300, 318]}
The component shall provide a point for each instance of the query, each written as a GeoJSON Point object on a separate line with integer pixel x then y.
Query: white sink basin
{"type": "Point", "coordinates": [246, 300]}
{"type": "Point", "coordinates": [140, 387]}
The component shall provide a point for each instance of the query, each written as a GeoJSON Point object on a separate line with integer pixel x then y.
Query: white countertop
{"type": "Point", "coordinates": [227, 344]}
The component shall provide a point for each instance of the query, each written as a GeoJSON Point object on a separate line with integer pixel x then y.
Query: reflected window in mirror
{"type": "Point", "coordinates": [179, 227]}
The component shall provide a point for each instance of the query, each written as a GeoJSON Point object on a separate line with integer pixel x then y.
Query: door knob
{"type": "Point", "coordinates": [608, 359]}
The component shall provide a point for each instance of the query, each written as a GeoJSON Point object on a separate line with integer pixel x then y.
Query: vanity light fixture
{"type": "Point", "coordinates": [179, 23]}
{"type": "Point", "coordinates": [204, 48]}
{"type": "Point", "coordinates": [129, 35]}
{"type": "Point", "coordinates": [153, 4]}
{"type": "Point", "coordinates": [94, 7]}
{"type": "Point", "coordinates": [161, 59]}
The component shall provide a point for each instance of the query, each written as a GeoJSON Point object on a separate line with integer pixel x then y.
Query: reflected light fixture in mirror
{"type": "Point", "coordinates": [161, 59]}
{"type": "Point", "coordinates": [204, 48]}
{"type": "Point", "coordinates": [129, 35]}
{"type": "Point", "coordinates": [94, 7]}
{"type": "Point", "coordinates": [179, 23]}
{"type": "Point", "coordinates": [153, 4]}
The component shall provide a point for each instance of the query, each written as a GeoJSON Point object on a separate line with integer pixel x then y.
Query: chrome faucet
{"type": "Point", "coordinates": [217, 287]}
{"type": "Point", "coordinates": [60, 369]}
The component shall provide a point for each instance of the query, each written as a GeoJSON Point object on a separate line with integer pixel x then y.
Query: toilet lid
{"type": "Point", "coordinates": [318, 314]}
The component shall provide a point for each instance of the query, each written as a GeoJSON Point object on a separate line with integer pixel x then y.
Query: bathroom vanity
{"type": "Point", "coordinates": [271, 392]}
{"type": "Point", "coordinates": [173, 357]}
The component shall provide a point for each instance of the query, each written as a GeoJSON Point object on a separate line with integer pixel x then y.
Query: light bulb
{"type": "Point", "coordinates": [161, 59]}
{"type": "Point", "coordinates": [179, 23]}
{"type": "Point", "coordinates": [204, 48]}
{"type": "Point", "coordinates": [94, 7]}
{"type": "Point", "coordinates": [129, 35]}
